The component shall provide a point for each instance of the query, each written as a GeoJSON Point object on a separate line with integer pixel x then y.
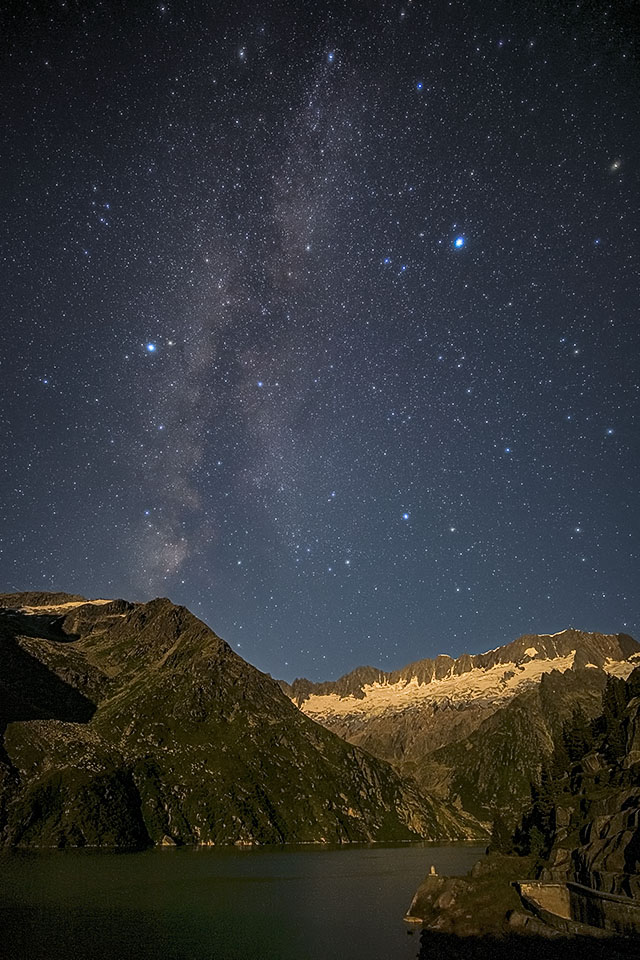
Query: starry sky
{"type": "Point", "coordinates": [322, 319]}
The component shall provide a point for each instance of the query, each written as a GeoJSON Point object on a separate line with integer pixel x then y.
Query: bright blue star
{"type": "Point", "coordinates": [458, 242]}
{"type": "Point", "coordinates": [387, 261]}
{"type": "Point", "coordinates": [405, 516]}
{"type": "Point", "coordinates": [331, 57]}
{"type": "Point", "coordinates": [151, 348]}
{"type": "Point", "coordinates": [260, 383]}
{"type": "Point", "coordinates": [507, 449]}
{"type": "Point", "coordinates": [419, 86]}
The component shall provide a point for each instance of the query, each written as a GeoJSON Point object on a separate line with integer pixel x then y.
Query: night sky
{"type": "Point", "coordinates": [322, 319]}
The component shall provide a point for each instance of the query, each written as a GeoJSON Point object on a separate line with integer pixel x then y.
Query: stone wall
{"type": "Point", "coordinates": [617, 914]}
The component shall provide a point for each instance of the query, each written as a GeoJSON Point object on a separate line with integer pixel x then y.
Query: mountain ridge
{"type": "Point", "coordinates": [427, 669]}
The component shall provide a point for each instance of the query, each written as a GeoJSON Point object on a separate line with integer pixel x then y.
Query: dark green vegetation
{"type": "Point", "coordinates": [127, 724]}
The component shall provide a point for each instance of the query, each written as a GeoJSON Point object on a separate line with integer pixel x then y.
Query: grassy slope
{"type": "Point", "coordinates": [157, 730]}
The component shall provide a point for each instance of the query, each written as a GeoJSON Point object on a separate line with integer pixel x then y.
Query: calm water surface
{"type": "Point", "coordinates": [268, 903]}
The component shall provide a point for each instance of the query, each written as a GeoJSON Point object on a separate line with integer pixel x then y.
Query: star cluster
{"type": "Point", "coordinates": [324, 320]}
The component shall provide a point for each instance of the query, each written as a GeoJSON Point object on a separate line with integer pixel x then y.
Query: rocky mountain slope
{"type": "Point", "coordinates": [126, 724]}
{"type": "Point", "coordinates": [490, 772]}
{"type": "Point", "coordinates": [475, 730]}
{"type": "Point", "coordinates": [584, 818]}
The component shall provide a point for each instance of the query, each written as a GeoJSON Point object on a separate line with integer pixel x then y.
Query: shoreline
{"type": "Point", "coordinates": [501, 897]}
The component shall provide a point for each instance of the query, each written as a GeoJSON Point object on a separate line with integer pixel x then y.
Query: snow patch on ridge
{"type": "Point", "coordinates": [531, 652]}
{"type": "Point", "coordinates": [55, 607]}
{"type": "Point", "coordinates": [622, 668]}
{"type": "Point", "coordinates": [491, 684]}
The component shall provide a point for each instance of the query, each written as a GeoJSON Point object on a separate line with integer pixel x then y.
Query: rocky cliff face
{"type": "Point", "coordinates": [594, 835]}
{"type": "Point", "coordinates": [124, 724]}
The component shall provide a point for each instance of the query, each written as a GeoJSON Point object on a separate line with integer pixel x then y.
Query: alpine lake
{"type": "Point", "coordinates": [227, 903]}
{"type": "Point", "coordinates": [219, 903]}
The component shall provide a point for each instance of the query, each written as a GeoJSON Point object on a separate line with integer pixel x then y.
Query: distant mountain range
{"type": "Point", "coordinates": [124, 724]}
{"type": "Point", "coordinates": [475, 731]}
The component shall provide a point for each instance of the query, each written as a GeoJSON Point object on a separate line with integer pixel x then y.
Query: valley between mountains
{"type": "Point", "coordinates": [128, 724]}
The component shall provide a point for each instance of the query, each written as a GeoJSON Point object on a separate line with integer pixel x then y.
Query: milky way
{"type": "Point", "coordinates": [324, 322]}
